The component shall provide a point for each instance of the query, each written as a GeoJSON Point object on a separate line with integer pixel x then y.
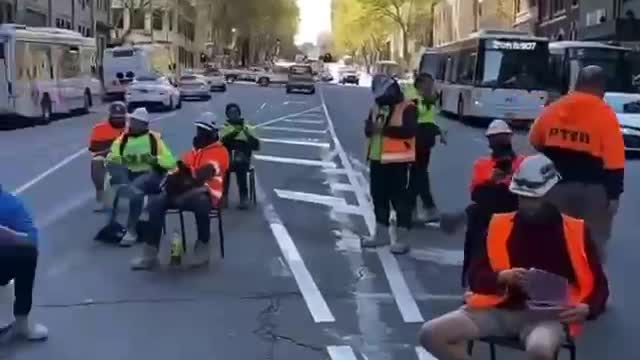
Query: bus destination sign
{"type": "Point", "coordinates": [512, 45]}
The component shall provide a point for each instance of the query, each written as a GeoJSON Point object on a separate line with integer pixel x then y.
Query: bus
{"type": "Point", "coordinates": [491, 74]}
{"type": "Point", "coordinates": [44, 71]}
{"type": "Point", "coordinates": [122, 64]}
{"type": "Point", "coordinates": [568, 57]}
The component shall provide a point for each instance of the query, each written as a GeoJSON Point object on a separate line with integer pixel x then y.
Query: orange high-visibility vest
{"type": "Point", "coordinates": [396, 150]}
{"type": "Point", "coordinates": [497, 250]}
{"type": "Point", "coordinates": [483, 170]}
{"type": "Point", "coordinates": [218, 156]}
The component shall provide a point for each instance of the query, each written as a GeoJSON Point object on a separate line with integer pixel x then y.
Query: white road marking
{"type": "Point", "coordinates": [272, 121]}
{"type": "Point", "coordinates": [310, 122]}
{"type": "Point", "coordinates": [295, 161]}
{"type": "Point", "coordinates": [421, 296]}
{"type": "Point", "coordinates": [310, 292]}
{"type": "Point", "coordinates": [338, 204]}
{"type": "Point", "coordinates": [405, 301]}
{"type": "Point", "coordinates": [342, 187]}
{"type": "Point", "coordinates": [289, 129]}
{"type": "Point", "coordinates": [439, 256]}
{"type": "Point", "coordinates": [295, 142]}
{"type": "Point", "coordinates": [50, 171]}
{"type": "Point", "coordinates": [335, 171]}
{"type": "Point", "coordinates": [424, 354]}
{"type": "Point", "coordinates": [341, 352]}
{"type": "Point", "coordinates": [263, 106]}
{"type": "Point", "coordinates": [294, 103]}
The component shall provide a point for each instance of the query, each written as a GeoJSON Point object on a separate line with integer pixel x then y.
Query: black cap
{"type": "Point", "coordinates": [118, 110]}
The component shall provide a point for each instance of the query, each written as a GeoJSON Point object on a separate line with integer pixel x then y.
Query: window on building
{"type": "Point", "coordinates": [171, 17]}
{"type": "Point", "coordinates": [158, 17]}
{"type": "Point", "coordinates": [67, 25]}
{"type": "Point", "coordinates": [137, 19]}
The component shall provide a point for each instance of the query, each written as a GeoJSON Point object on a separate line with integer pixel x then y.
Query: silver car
{"type": "Point", "coordinates": [194, 86]}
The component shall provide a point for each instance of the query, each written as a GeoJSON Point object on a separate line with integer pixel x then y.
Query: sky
{"type": "Point", "coordinates": [315, 18]}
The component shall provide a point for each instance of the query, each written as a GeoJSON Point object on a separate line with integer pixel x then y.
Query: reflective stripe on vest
{"type": "Point", "coordinates": [397, 150]}
{"type": "Point", "coordinates": [497, 250]}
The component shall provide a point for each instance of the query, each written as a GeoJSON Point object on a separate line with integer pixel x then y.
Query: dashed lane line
{"type": "Point", "coordinates": [295, 161]}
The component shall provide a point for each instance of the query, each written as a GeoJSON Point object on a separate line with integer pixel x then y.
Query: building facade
{"type": "Point", "coordinates": [454, 20]}
{"type": "Point", "coordinates": [610, 20]}
{"type": "Point", "coordinates": [168, 22]}
{"type": "Point", "coordinates": [496, 14]}
{"type": "Point", "coordinates": [558, 19]}
{"type": "Point", "coordinates": [525, 15]}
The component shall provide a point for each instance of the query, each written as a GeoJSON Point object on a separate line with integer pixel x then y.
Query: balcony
{"type": "Point", "coordinates": [617, 30]}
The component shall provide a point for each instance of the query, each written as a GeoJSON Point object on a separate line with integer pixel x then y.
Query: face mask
{"type": "Point", "coordinates": [203, 140]}
{"type": "Point", "coordinates": [117, 124]}
{"type": "Point", "coordinates": [499, 150]}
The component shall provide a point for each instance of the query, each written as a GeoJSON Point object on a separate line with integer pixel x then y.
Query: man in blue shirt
{"type": "Point", "coordinates": [18, 261]}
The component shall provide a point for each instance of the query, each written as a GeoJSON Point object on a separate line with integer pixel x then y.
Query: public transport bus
{"type": "Point", "coordinates": [491, 74]}
{"type": "Point", "coordinates": [568, 57]}
{"type": "Point", "coordinates": [45, 71]}
{"type": "Point", "coordinates": [122, 64]}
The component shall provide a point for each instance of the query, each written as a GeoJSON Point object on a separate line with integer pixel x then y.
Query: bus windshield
{"type": "Point", "coordinates": [615, 63]}
{"type": "Point", "coordinates": [514, 64]}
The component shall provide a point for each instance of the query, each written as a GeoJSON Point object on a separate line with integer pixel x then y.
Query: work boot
{"type": "Point", "coordinates": [244, 203]}
{"type": "Point", "coordinates": [129, 239]}
{"type": "Point", "coordinates": [201, 254]}
{"type": "Point", "coordinates": [23, 329]}
{"type": "Point", "coordinates": [419, 215]}
{"type": "Point", "coordinates": [148, 260]}
{"type": "Point", "coordinates": [380, 238]}
{"type": "Point", "coordinates": [401, 245]}
{"type": "Point", "coordinates": [432, 215]}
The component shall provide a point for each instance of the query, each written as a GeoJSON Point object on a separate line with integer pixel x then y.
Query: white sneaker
{"type": "Point", "coordinates": [380, 238]}
{"type": "Point", "coordinates": [201, 255]}
{"type": "Point", "coordinates": [432, 215]}
{"type": "Point", "coordinates": [148, 260]}
{"type": "Point", "coordinates": [401, 245]}
{"type": "Point", "coordinates": [22, 328]}
{"type": "Point", "coordinates": [129, 239]}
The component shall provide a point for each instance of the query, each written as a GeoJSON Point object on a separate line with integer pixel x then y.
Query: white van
{"type": "Point", "coordinates": [122, 64]}
{"type": "Point", "coordinates": [45, 71]}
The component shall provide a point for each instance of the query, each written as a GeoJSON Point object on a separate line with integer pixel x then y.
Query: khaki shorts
{"type": "Point", "coordinates": [590, 203]}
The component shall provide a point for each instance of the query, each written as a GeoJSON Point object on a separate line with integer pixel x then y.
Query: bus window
{"type": "Point", "coordinates": [514, 64]}
{"type": "Point", "coordinates": [122, 53]}
{"type": "Point", "coordinates": [2, 45]}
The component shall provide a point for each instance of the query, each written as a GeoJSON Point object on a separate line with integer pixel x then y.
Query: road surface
{"type": "Point", "coordinates": [295, 283]}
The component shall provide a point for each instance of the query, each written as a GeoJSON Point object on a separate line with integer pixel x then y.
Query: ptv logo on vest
{"type": "Point", "coordinates": [570, 135]}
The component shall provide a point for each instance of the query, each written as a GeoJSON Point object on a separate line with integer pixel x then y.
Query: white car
{"type": "Point", "coordinates": [215, 80]}
{"type": "Point", "coordinates": [152, 91]}
{"type": "Point", "coordinates": [627, 108]}
{"type": "Point", "coordinates": [194, 86]}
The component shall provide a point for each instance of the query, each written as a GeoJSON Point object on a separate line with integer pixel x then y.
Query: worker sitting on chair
{"type": "Point", "coordinates": [196, 186]}
{"type": "Point", "coordinates": [536, 236]}
{"type": "Point", "coordinates": [139, 159]}
{"type": "Point", "coordinates": [239, 139]}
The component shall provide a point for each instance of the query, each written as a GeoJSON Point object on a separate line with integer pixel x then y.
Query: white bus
{"type": "Point", "coordinates": [45, 71]}
{"type": "Point", "coordinates": [568, 57]}
{"type": "Point", "coordinates": [122, 64]}
{"type": "Point", "coordinates": [491, 74]}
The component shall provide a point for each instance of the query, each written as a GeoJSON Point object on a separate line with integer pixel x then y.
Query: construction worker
{"type": "Point", "coordinates": [207, 164]}
{"type": "Point", "coordinates": [138, 159]}
{"type": "Point", "coordinates": [536, 236]}
{"type": "Point", "coordinates": [491, 176]}
{"type": "Point", "coordinates": [391, 130]}
{"type": "Point", "coordinates": [422, 94]}
{"type": "Point", "coordinates": [100, 141]}
{"type": "Point", "coordinates": [18, 262]}
{"type": "Point", "coordinates": [581, 135]}
{"type": "Point", "coordinates": [240, 139]}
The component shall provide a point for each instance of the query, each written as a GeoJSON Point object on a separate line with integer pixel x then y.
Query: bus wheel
{"type": "Point", "coordinates": [45, 106]}
{"type": "Point", "coordinates": [461, 116]}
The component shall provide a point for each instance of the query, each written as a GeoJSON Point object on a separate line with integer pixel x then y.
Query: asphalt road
{"type": "Point", "coordinates": [295, 283]}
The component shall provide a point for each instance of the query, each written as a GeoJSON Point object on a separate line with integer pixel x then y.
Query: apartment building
{"type": "Point", "coordinates": [525, 15]}
{"type": "Point", "coordinates": [496, 14]}
{"type": "Point", "coordinates": [558, 19]}
{"type": "Point", "coordinates": [168, 22]}
{"type": "Point", "coordinates": [610, 20]}
{"type": "Point", "coordinates": [454, 20]}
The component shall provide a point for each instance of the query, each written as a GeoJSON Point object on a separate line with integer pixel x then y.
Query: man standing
{"type": "Point", "coordinates": [581, 135]}
{"type": "Point", "coordinates": [18, 262]}
{"type": "Point", "coordinates": [391, 130]}
{"type": "Point", "coordinates": [421, 93]}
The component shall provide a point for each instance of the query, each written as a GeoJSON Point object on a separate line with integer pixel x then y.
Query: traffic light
{"type": "Point", "coordinates": [203, 58]}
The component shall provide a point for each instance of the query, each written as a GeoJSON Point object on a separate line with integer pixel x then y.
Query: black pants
{"type": "Point", "coordinates": [241, 170]}
{"type": "Point", "coordinates": [18, 263]}
{"type": "Point", "coordinates": [390, 187]}
{"type": "Point", "coordinates": [419, 182]}
{"type": "Point", "coordinates": [478, 219]}
{"type": "Point", "coordinates": [199, 204]}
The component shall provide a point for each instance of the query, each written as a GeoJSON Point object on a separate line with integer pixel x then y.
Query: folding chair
{"type": "Point", "coordinates": [515, 344]}
{"type": "Point", "coordinates": [215, 213]}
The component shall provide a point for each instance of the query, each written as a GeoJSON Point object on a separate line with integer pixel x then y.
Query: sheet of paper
{"type": "Point", "coordinates": [547, 288]}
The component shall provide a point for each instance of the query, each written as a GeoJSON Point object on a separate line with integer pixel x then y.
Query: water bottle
{"type": "Point", "coordinates": [176, 249]}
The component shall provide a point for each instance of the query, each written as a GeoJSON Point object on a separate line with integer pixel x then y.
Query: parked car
{"type": "Point", "coordinates": [627, 108]}
{"type": "Point", "coordinates": [326, 76]}
{"type": "Point", "coordinates": [215, 80]}
{"type": "Point", "coordinates": [194, 86]}
{"type": "Point", "coordinates": [301, 78]}
{"type": "Point", "coordinates": [152, 92]}
{"type": "Point", "coordinates": [349, 76]}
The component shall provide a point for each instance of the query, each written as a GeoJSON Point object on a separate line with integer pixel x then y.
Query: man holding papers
{"type": "Point", "coordinates": [18, 261]}
{"type": "Point", "coordinates": [534, 244]}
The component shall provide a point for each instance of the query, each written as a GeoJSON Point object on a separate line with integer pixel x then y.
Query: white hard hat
{"type": "Point", "coordinates": [498, 126]}
{"type": "Point", "coordinates": [140, 114]}
{"type": "Point", "coordinates": [535, 177]}
{"type": "Point", "coordinates": [207, 117]}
